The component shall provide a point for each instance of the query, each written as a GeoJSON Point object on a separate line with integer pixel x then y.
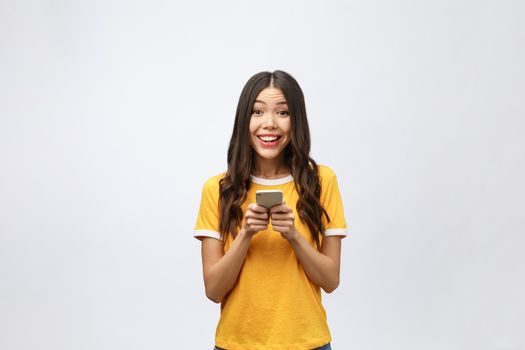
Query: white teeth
{"type": "Point", "coordinates": [268, 138]}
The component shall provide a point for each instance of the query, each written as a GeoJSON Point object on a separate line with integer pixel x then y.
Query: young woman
{"type": "Point", "coordinates": [266, 266]}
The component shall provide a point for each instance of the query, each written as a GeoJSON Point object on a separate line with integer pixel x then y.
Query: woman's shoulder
{"type": "Point", "coordinates": [325, 172]}
{"type": "Point", "coordinates": [214, 181]}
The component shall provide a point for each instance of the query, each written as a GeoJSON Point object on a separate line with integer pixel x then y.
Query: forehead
{"type": "Point", "coordinates": [271, 94]}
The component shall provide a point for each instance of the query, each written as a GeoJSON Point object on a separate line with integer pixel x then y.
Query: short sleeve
{"type": "Point", "coordinates": [332, 203]}
{"type": "Point", "coordinates": [208, 222]}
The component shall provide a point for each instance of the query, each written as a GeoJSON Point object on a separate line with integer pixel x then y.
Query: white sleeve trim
{"type": "Point", "coordinates": [336, 232]}
{"type": "Point", "coordinates": [206, 233]}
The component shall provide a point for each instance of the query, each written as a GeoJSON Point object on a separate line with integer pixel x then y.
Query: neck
{"type": "Point", "coordinates": [270, 168]}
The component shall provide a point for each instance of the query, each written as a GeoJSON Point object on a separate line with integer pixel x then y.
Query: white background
{"type": "Point", "coordinates": [114, 113]}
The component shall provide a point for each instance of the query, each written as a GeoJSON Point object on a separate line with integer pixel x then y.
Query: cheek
{"type": "Point", "coordinates": [252, 127]}
{"type": "Point", "coordinates": [286, 126]}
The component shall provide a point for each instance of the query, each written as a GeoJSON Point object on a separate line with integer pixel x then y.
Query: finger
{"type": "Point", "coordinates": [255, 215]}
{"type": "Point", "coordinates": [280, 229]}
{"type": "Point", "coordinates": [251, 206]}
{"type": "Point", "coordinates": [276, 228]}
{"type": "Point", "coordinates": [279, 216]}
{"type": "Point", "coordinates": [253, 222]}
{"type": "Point", "coordinates": [282, 208]}
{"type": "Point", "coordinates": [281, 223]}
{"type": "Point", "coordinates": [258, 208]}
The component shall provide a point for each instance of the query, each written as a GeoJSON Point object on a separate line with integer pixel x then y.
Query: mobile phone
{"type": "Point", "coordinates": [269, 198]}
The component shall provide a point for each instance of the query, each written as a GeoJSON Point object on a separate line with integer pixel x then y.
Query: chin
{"type": "Point", "coordinates": [268, 156]}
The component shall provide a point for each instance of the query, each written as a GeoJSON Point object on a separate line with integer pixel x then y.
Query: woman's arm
{"type": "Point", "coordinates": [322, 267]}
{"type": "Point", "coordinates": [222, 270]}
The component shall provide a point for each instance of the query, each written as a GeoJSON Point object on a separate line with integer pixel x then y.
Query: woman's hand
{"type": "Point", "coordinates": [221, 269]}
{"type": "Point", "coordinates": [256, 219]}
{"type": "Point", "coordinates": [283, 221]}
{"type": "Point", "coordinates": [321, 266]}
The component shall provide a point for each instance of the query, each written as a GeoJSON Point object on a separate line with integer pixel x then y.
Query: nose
{"type": "Point", "coordinates": [269, 121]}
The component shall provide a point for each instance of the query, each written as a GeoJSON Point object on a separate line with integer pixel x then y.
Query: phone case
{"type": "Point", "coordinates": [269, 198]}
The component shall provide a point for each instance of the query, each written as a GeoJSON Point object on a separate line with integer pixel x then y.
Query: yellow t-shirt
{"type": "Point", "coordinates": [273, 305]}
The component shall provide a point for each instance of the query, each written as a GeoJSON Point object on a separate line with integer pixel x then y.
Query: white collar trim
{"type": "Point", "coordinates": [270, 182]}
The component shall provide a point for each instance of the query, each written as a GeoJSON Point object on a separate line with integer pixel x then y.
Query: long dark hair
{"type": "Point", "coordinates": [304, 170]}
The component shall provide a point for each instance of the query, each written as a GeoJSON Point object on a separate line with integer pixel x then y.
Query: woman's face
{"type": "Point", "coordinates": [270, 124]}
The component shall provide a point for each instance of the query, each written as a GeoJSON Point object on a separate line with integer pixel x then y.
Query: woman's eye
{"type": "Point", "coordinates": [256, 112]}
{"type": "Point", "coordinates": [283, 113]}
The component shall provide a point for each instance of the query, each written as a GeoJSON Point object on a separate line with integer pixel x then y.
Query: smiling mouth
{"type": "Point", "coordinates": [268, 138]}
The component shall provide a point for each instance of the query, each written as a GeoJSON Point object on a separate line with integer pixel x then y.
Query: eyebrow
{"type": "Point", "coordinates": [278, 103]}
